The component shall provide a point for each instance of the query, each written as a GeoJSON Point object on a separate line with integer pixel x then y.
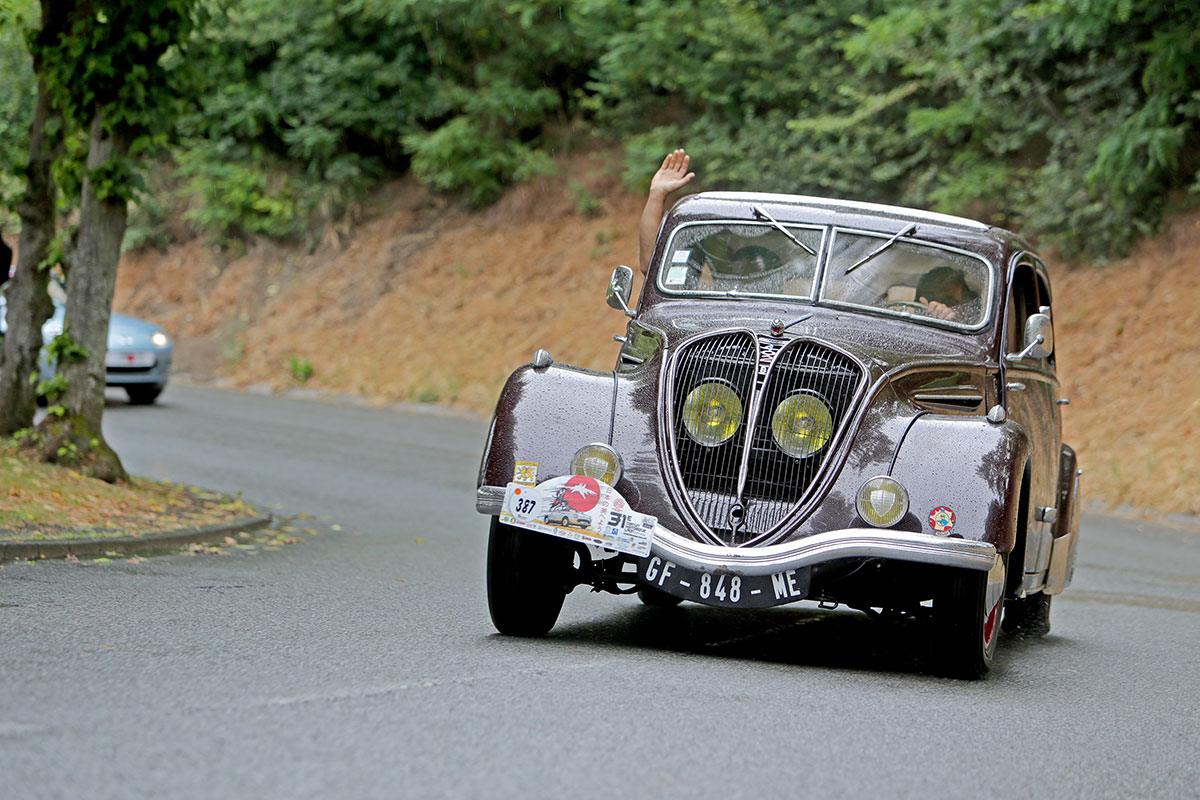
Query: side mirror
{"type": "Point", "coordinates": [620, 286]}
{"type": "Point", "coordinates": [1039, 338]}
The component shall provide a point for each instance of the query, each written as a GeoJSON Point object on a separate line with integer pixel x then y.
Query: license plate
{"type": "Point", "coordinates": [726, 588]}
{"type": "Point", "coordinates": [120, 359]}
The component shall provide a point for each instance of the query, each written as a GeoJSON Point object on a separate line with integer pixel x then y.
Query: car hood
{"type": "Point", "coordinates": [124, 332]}
{"type": "Point", "coordinates": [881, 343]}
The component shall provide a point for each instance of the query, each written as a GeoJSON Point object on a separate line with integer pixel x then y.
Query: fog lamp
{"type": "Point", "coordinates": [159, 339]}
{"type": "Point", "coordinates": [882, 502]}
{"type": "Point", "coordinates": [802, 425]}
{"type": "Point", "coordinates": [712, 413]}
{"type": "Point", "coordinates": [597, 461]}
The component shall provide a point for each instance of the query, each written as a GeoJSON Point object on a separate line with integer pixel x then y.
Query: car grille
{"type": "Point", "coordinates": [763, 373]}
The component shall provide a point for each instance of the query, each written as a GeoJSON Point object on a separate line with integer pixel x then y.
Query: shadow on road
{"type": "Point", "coordinates": [791, 636]}
{"type": "Point", "coordinates": [800, 637]}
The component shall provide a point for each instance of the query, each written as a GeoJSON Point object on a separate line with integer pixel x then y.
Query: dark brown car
{"type": "Point", "coordinates": [816, 400]}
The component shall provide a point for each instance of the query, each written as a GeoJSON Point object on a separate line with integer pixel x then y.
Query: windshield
{"type": "Point", "coordinates": [738, 257]}
{"type": "Point", "coordinates": [912, 278]}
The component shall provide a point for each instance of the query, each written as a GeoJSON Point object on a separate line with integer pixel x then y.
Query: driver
{"type": "Point", "coordinates": [944, 291]}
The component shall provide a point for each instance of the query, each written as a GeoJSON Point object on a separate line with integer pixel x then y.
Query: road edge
{"type": "Point", "coordinates": [128, 545]}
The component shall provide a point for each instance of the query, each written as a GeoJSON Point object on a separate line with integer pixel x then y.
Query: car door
{"type": "Point", "coordinates": [1031, 395]}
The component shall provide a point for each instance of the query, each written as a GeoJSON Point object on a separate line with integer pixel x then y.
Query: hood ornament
{"type": "Point", "coordinates": [778, 326]}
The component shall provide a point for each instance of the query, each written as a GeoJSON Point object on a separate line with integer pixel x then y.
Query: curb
{"type": "Point", "coordinates": [10, 551]}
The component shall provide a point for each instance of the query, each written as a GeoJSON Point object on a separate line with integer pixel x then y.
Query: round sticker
{"type": "Point", "coordinates": [941, 519]}
{"type": "Point", "coordinates": [582, 493]}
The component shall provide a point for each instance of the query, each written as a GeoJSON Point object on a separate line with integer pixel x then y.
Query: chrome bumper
{"type": "Point", "coordinates": [921, 548]}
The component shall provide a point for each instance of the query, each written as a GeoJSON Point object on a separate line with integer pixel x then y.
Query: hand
{"type": "Point", "coordinates": [673, 174]}
{"type": "Point", "coordinates": [939, 310]}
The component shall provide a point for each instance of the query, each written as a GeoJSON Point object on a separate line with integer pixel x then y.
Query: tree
{"type": "Point", "coordinates": [28, 303]}
{"type": "Point", "coordinates": [105, 73]}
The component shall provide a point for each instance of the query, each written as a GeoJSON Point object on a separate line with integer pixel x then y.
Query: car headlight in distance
{"type": "Point", "coordinates": [159, 339]}
{"type": "Point", "coordinates": [802, 425]}
{"type": "Point", "coordinates": [712, 413]}
{"type": "Point", "coordinates": [882, 502]}
{"type": "Point", "coordinates": [597, 461]}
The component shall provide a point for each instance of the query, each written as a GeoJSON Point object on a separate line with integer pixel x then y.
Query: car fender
{"type": "Point", "coordinates": [543, 416]}
{"type": "Point", "coordinates": [934, 460]}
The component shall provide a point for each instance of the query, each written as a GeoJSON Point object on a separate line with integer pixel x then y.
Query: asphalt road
{"type": "Point", "coordinates": [362, 663]}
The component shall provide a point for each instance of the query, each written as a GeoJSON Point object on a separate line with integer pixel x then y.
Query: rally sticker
{"type": "Point", "coordinates": [677, 275]}
{"type": "Point", "coordinates": [581, 509]}
{"type": "Point", "coordinates": [941, 519]}
{"type": "Point", "coordinates": [525, 472]}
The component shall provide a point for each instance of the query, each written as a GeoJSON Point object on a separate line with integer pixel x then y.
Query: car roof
{"type": "Point", "coordinates": [846, 213]}
{"type": "Point", "coordinates": [851, 206]}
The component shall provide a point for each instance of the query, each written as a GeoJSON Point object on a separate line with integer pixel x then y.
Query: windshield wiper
{"type": "Point", "coordinates": [909, 231]}
{"type": "Point", "coordinates": [761, 213]}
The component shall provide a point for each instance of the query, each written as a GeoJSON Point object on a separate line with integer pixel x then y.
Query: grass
{"type": "Point", "coordinates": [46, 502]}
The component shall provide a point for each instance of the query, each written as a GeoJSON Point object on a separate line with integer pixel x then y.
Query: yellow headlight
{"type": "Point", "coordinates": [882, 502]}
{"type": "Point", "coordinates": [802, 425]}
{"type": "Point", "coordinates": [712, 413]}
{"type": "Point", "coordinates": [597, 461]}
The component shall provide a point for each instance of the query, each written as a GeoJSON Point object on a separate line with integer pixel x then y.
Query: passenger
{"type": "Point", "coordinates": [672, 175]}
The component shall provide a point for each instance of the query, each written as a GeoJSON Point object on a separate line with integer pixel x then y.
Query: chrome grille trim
{"type": "Point", "coordinates": [769, 485]}
{"type": "Point", "coordinates": [734, 354]}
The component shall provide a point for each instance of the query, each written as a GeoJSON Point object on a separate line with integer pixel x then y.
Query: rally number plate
{"type": "Point", "coordinates": [726, 588]}
{"type": "Point", "coordinates": [581, 509]}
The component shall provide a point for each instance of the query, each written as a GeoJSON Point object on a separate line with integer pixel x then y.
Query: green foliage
{"type": "Point", "coordinates": [237, 197]}
{"type": "Point", "coordinates": [301, 369]}
{"type": "Point", "coordinates": [17, 96]}
{"type": "Point", "coordinates": [1073, 120]}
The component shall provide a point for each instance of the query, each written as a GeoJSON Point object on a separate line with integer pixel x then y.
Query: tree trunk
{"type": "Point", "coordinates": [73, 437]}
{"type": "Point", "coordinates": [28, 304]}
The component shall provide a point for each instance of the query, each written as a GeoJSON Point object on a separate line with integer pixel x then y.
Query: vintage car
{"type": "Point", "coordinates": [138, 358]}
{"type": "Point", "coordinates": [819, 400]}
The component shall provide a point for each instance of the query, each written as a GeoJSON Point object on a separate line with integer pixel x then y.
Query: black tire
{"type": "Point", "coordinates": [965, 632]}
{"type": "Point", "coordinates": [528, 574]}
{"type": "Point", "coordinates": [1029, 616]}
{"type": "Point", "coordinates": [655, 598]}
{"type": "Point", "coordinates": [143, 394]}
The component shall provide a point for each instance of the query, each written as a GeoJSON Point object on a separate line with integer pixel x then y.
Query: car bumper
{"type": "Point", "coordinates": [821, 548]}
{"type": "Point", "coordinates": [133, 376]}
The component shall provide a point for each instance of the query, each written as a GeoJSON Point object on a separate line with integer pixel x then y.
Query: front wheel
{"type": "Point", "coordinates": [1028, 616]}
{"type": "Point", "coordinates": [966, 615]}
{"type": "Point", "coordinates": [528, 576]}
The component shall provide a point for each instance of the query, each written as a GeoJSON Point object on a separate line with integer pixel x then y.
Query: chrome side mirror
{"type": "Point", "coordinates": [1039, 338]}
{"type": "Point", "coordinates": [620, 286]}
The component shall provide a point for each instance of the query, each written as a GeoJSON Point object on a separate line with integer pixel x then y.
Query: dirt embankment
{"type": "Point", "coordinates": [427, 302]}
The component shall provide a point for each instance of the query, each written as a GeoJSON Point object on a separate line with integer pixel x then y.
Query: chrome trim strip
{"type": "Point", "coordinates": [489, 499]}
{"type": "Point", "coordinates": [752, 411]}
{"type": "Point", "coordinates": [922, 548]}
